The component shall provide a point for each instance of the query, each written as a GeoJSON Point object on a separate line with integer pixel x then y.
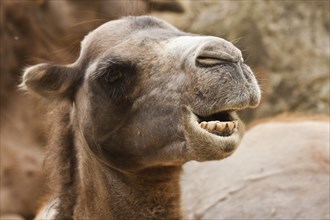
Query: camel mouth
{"type": "Point", "coordinates": [212, 137]}
{"type": "Point", "coordinates": [222, 123]}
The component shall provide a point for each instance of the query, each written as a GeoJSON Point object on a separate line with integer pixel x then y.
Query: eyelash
{"type": "Point", "coordinates": [111, 78]}
{"type": "Point", "coordinates": [115, 77]}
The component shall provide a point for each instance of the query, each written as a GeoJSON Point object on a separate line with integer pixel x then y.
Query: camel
{"type": "Point", "coordinates": [142, 99]}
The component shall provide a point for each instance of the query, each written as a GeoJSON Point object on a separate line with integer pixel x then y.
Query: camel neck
{"type": "Point", "coordinates": [149, 194]}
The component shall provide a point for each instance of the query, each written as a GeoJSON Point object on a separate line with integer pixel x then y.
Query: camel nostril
{"type": "Point", "coordinates": [211, 57]}
{"type": "Point", "coordinates": [211, 60]}
{"type": "Point", "coordinates": [217, 51]}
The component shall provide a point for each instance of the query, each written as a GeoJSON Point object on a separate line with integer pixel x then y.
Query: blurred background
{"type": "Point", "coordinates": [286, 43]}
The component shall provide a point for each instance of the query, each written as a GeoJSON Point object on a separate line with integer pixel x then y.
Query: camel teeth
{"type": "Point", "coordinates": [226, 128]}
{"type": "Point", "coordinates": [231, 126]}
{"type": "Point", "coordinates": [203, 124]}
{"type": "Point", "coordinates": [221, 128]}
{"type": "Point", "coordinates": [211, 126]}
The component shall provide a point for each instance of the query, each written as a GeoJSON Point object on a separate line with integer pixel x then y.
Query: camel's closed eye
{"type": "Point", "coordinates": [115, 76]}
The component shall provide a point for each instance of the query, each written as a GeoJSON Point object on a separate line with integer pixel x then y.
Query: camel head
{"type": "Point", "coordinates": [146, 94]}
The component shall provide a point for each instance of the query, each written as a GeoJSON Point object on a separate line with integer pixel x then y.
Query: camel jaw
{"type": "Point", "coordinates": [212, 137]}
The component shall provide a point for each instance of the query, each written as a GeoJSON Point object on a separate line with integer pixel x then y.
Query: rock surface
{"type": "Point", "coordinates": [280, 171]}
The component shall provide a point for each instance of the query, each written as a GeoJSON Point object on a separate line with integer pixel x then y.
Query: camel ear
{"type": "Point", "coordinates": [51, 81]}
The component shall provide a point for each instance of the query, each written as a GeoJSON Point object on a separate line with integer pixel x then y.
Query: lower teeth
{"type": "Point", "coordinates": [220, 128]}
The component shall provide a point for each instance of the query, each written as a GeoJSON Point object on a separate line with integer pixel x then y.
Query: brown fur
{"type": "Point", "coordinates": [62, 156]}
